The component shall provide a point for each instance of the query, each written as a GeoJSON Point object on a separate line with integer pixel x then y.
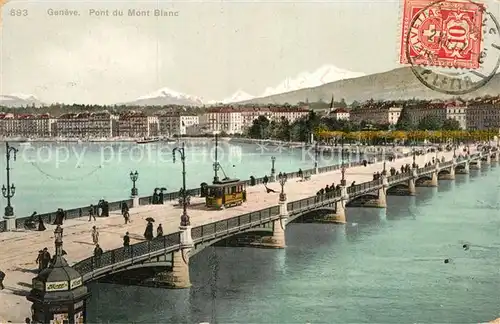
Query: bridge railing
{"type": "Point", "coordinates": [313, 200]}
{"type": "Point", "coordinates": [398, 177]}
{"type": "Point", "coordinates": [122, 254]}
{"type": "Point", "coordinates": [352, 190]}
{"type": "Point", "coordinates": [446, 164]}
{"type": "Point", "coordinates": [426, 169]}
{"type": "Point", "coordinates": [222, 226]}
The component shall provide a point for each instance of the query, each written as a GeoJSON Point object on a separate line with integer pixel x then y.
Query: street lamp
{"type": "Point", "coordinates": [134, 176]}
{"type": "Point", "coordinates": [414, 153]}
{"type": "Point", "coordinates": [316, 154]}
{"type": "Point", "coordinates": [384, 172]}
{"type": "Point", "coordinates": [184, 217]}
{"type": "Point", "coordinates": [58, 234]}
{"type": "Point", "coordinates": [342, 167]}
{"type": "Point", "coordinates": [9, 190]}
{"type": "Point", "coordinates": [282, 177]}
{"type": "Point", "coordinates": [273, 160]}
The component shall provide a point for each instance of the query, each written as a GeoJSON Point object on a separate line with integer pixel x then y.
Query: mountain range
{"type": "Point", "coordinates": [319, 85]}
{"type": "Point", "coordinates": [19, 100]}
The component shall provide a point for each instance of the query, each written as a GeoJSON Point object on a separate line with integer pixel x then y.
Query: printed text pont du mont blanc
{"type": "Point", "coordinates": [116, 12]}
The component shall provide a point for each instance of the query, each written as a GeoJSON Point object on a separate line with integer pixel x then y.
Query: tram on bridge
{"type": "Point", "coordinates": [225, 193]}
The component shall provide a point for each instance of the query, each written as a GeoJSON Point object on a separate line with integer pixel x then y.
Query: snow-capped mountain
{"type": "Point", "coordinates": [166, 96]}
{"type": "Point", "coordinates": [19, 100]}
{"type": "Point", "coordinates": [238, 96]}
{"type": "Point", "coordinates": [325, 74]}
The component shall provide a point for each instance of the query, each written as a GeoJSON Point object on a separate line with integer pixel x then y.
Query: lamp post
{"type": "Point", "coordinates": [9, 190]}
{"type": "Point", "coordinates": [342, 167]}
{"type": "Point", "coordinates": [282, 177]}
{"type": "Point", "coordinates": [414, 164]}
{"type": "Point", "coordinates": [316, 154]}
{"type": "Point", "coordinates": [184, 217]}
{"type": "Point", "coordinates": [384, 172]}
{"type": "Point", "coordinates": [273, 171]}
{"type": "Point", "coordinates": [134, 176]}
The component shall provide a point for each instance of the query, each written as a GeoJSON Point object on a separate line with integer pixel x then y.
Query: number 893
{"type": "Point", "coordinates": [19, 12]}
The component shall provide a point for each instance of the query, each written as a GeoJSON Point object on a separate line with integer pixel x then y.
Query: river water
{"type": "Point", "coordinates": [48, 176]}
{"type": "Point", "coordinates": [383, 266]}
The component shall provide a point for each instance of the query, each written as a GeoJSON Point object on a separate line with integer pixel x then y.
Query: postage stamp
{"type": "Point", "coordinates": [444, 33]}
{"type": "Point", "coordinates": [452, 45]}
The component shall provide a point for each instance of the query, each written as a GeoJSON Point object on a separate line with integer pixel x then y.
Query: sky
{"type": "Point", "coordinates": [210, 49]}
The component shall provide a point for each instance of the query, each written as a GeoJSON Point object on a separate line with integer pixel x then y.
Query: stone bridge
{"type": "Point", "coordinates": [167, 257]}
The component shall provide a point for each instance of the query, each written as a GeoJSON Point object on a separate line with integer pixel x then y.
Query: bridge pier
{"type": "Point", "coordinates": [179, 278]}
{"type": "Point", "coordinates": [449, 176]}
{"type": "Point", "coordinates": [488, 158]}
{"type": "Point", "coordinates": [496, 157]}
{"type": "Point", "coordinates": [135, 201]}
{"type": "Point", "coordinates": [434, 179]}
{"type": "Point", "coordinates": [477, 165]}
{"type": "Point", "coordinates": [340, 206]}
{"type": "Point", "coordinates": [277, 241]}
{"type": "Point", "coordinates": [412, 190]}
{"type": "Point", "coordinates": [382, 196]}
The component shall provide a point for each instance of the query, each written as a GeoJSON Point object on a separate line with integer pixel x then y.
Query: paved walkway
{"type": "Point", "coordinates": [19, 249]}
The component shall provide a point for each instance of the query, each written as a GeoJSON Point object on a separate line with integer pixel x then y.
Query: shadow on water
{"type": "Point", "coordinates": [363, 221]}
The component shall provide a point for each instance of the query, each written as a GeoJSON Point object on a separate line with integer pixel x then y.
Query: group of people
{"type": "Point", "coordinates": [157, 197]}
{"type": "Point", "coordinates": [148, 233]}
{"type": "Point", "coordinates": [35, 223]}
{"type": "Point", "coordinates": [43, 260]}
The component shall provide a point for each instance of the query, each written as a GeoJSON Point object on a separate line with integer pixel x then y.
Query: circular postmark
{"type": "Point", "coordinates": [453, 46]}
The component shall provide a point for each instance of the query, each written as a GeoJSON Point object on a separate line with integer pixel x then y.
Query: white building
{"type": "Point", "coordinates": [340, 114]}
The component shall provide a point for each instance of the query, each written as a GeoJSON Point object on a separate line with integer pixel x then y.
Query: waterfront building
{"type": "Point", "coordinates": [26, 125]}
{"type": "Point", "coordinates": [235, 120]}
{"type": "Point", "coordinates": [483, 113]}
{"type": "Point", "coordinates": [340, 114]}
{"type": "Point", "coordinates": [176, 123]}
{"type": "Point", "coordinates": [384, 112]}
{"type": "Point", "coordinates": [452, 109]}
{"type": "Point", "coordinates": [136, 124]}
{"type": "Point", "coordinates": [87, 125]}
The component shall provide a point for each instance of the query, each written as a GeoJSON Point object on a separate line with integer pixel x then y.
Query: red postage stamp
{"type": "Point", "coordinates": [441, 33]}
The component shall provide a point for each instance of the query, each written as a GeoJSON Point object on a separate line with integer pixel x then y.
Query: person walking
{"type": "Point", "coordinates": [159, 231]}
{"type": "Point", "coordinates": [2, 277]}
{"type": "Point", "coordinates": [126, 241]}
{"type": "Point", "coordinates": [125, 213]}
{"type": "Point", "coordinates": [95, 235]}
{"type": "Point", "coordinates": [39, 260]}
{"type": "Point", "coordinates": [91, 212]}
{"type": "Point", "coordinates": [46, 258]}
{"type": "Point", "coordinates": [97, 254]}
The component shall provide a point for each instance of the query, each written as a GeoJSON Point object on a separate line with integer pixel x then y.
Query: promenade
{"type": "Point", "coordinates": [20, 248]}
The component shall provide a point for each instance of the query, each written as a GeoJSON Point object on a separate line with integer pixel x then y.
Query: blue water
{"type": "Point", "coordinates": [48, 176]}
{"type": "Point", "coordinates": [384, 266]}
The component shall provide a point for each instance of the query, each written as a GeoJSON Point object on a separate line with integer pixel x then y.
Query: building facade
{"type": "Point", "coordinates": [26, 125]}
{"type": "Point", "coordinates": [87, 125]}
{"type": "Point", "coordinates": [455, 109]}
{"type": "Point", "coordinates": [376, 114]}
{"type": "Point", "coordinates": [483, 113]}
{"type": "Point", "coordinates": [176, 123]}
{"type": "Point", "coordinates": [340, 114]}
{"type": "Point", "coordinates": [134, 124]}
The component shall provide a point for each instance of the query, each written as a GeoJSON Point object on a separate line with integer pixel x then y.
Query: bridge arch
{"type": "Point", "coordinates": [422, 179]}
{"type": "Point", "coordinates": [361, 200]}
{"type": "Point", "coordinates": [320, 211]}
{"type": "Point", "coordinates": [398, 188]}
{"type": "Point", "coordinates": [255, 232]}
{"type": "Point", "coordinates": [444, 171]}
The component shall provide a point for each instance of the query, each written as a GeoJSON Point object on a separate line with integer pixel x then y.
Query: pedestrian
{"type": "Point", "coordinates": [97, 254]}
{"type": "Point", "coordinates": [46, 258]}
{"type": "Point", "coordinates": [2, 277]}
{"type": "Point", "coordinates": [27, 320]}
{"type": "Point", "coordinates": [41, 225]}
{"type": "Point", "coordinates": [95, 235]}
{"type": "Point", "coordinates": [39, 260]}
{"type": "Point", "coordinates": [265, 180]}
{"type": "Point", "coordinates": [159, 231]}
{"type": "Point", "coordinates": [125, 212]}
{"type": "Point", "coordinates": [91, 212]}
{"type": "Point", "coordinates": [126, 240]}
{"type": "Point", "coordinates": [148, 233]}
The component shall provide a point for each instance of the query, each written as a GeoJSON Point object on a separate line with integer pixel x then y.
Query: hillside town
{"type": "Point", "coordinates": [477, 114]}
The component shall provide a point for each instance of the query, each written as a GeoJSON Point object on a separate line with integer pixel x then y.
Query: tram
{"type": "Point", "coordinates": [225, 193]}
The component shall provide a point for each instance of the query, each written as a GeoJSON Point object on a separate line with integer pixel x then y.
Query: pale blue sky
{"type": "Point", "coordinates": [210, 50]}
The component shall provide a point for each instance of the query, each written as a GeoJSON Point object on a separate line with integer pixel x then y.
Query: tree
{"type": "Point", "coordinates": [430, 122]}
{"type": "Point", "coordinates": [259, 128]}
{"type": "Point", "coordinates": [451, 125]}
{"type": "Point", "coordinates": [404, 122]}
